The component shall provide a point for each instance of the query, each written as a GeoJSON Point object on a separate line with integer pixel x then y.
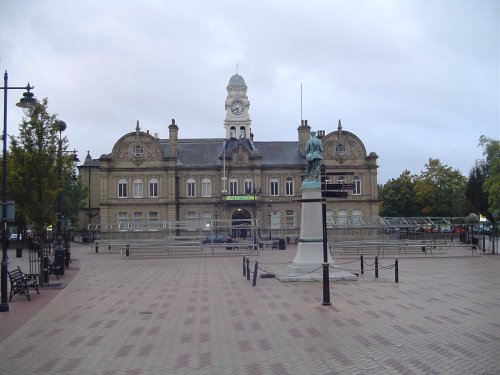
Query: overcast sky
{"type": "Point", "coordinates": [412, 79]}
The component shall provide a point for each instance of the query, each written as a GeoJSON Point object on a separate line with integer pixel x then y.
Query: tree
{"type": "Point", "coordinates": [491, 185]}
{"type": "Point", "coordinates": [440, 190]}
{"type": "Point", "coordinates": [397, 197]}
{"type": "Point", "coordinates": [475, 193]}
{"type": "Point", "coordinates": [32, 178]}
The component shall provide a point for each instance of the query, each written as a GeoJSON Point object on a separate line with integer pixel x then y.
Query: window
{"type": "Point", "coordinates": [137, 220]}
{"type": "Point", "coordinates": [232, 132]}
{"type": "Point", "coordinates": [248, 186]}
{"type": "Point", "coordinates": [341, 180]}
{"type": "Point", "coordinates": [138, 151]}
{"type": "Point", "coordinates": [153, 188]}
{"type": "Point", "coordinates": [233, 186]}
{"type": "Point", "coordinates": [191, 220]}
{"type": "Point", "coordinates": [356, 217]}
{"type": "Point", "coordinates": [341, 216]}
{"type": "Point", "coordinates": [122, 188]}
{"type": "Point", "coordinates": [357, 185]}
{"type": "Point", "coordinates": [153, 220]}
{"type": "Point", "coordinates": [274, 187]}
{"type": "Point", "coordinates": [206, 219]}
{"type": "Point", "coordinates": [206, 187]}
{"type": "Point", "coordinates": [122, 220]}
{"type": "Point", "coordinates": [340, 149]}
{"type": "Point", "coordinates": [242, 132]}
{"type": "Point", "coordinates": [275, 220]}
{"type": "Point", "coordinates": [191, 188]}
{"type": "Point", "coordinates": [138, 188]}
{"type": "Point", "coordinates": [289, 186]}
{"type": "Point", "coordinates": [290, 219]}
{"type": "Point", "coordinates": [329, 218]}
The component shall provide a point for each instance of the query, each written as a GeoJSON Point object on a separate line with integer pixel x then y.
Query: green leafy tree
{"type": "Point", "coordinates": [397, 196]}
{"type": "Point", "coordinates": [491, 185]}
{"type": "Point", "coordinates": [440, 190]}
{"type": "Point", "coordinates": [74, 194]}
{"type": "Point", "coordinates": [475, 192]}
{"type": "Point", "coordinates": [33, 176]}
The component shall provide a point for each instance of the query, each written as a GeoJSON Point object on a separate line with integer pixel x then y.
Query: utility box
{"type": "Point", "coordinates": [59, 255]}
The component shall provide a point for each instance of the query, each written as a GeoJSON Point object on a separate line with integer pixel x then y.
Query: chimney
{"type": "Point", "coordinates": [304, 131]}
{"type": "Point", "coordinates": [173, 132]}
{"type": "Point", "coordinates": [321, 134]}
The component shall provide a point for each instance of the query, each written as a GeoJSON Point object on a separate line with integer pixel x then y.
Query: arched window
{"type": "Point", "coordinates": [242, 132]}
{"type": "Point", "coordinates": [153, 188]}
{"type": "Point", "coordinates": [357, 185]}
{"type": "Point", "coordinates": [206, 187]}
{"type": "Point", "coordinates": [341, 180]}
{"type": "Point", "coordinates": [191, 188]}
{"type": "Point", "coordinates": [138, 188]}
{"type": "Point", "coordinates": [233, 186]}
{"type": "Point", "coordinates": [232, 132]}
{"type": "Point", "coordinates": [289, 186]}
{"type": "Point", "coordinates": [122, 188]}
{"type": "Point", "coordinates": [274, 187]}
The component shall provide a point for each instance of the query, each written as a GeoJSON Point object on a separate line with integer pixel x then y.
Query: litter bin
{"type": "Point", "coordinates": [19, 252]}
{"type": "Point", "coordinates": [281, 244]}
{"type": "Point", "coordinates": [59, 259]}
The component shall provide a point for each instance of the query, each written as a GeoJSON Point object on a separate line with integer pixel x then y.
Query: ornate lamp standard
{"type": "Point", "coordinates": [28, 103]}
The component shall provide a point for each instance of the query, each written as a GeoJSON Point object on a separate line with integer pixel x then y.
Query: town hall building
{"type": "Point", "coordinates": [146, 184]}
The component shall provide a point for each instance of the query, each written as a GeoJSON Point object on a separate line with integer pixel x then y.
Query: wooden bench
{"type": "Point", "coordinates": [20, 283]}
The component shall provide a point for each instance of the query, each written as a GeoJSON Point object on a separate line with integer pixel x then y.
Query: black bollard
{"type": "Point", "coordinates": [248, 268]}
{"type": "Point", "coordinates": [127, 250]}
{"type": "Point", "coordinates": [244, 268]}
{"type": "Point", "coordinates": [396, 270]}
{"type": "Point", "coordinates": [362, 265]}
{"type": "Point", "coordinates": [254, 282]}
{"type": "Point", "coordinates": [376, 267]}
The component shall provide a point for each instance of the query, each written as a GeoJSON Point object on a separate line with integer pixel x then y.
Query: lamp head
{"type": "Point", "coordinates": [28, 103]}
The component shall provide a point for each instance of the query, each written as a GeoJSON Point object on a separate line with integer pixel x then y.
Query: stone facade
{"type": "Point", "coordinates": [147, 182]}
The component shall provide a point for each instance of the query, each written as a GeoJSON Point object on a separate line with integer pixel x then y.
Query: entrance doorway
{"type": "Point", "coordinates": [241, 225]}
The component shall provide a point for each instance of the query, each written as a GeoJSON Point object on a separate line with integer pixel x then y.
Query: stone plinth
{"type": "Point", "coordinates": [310, 247]}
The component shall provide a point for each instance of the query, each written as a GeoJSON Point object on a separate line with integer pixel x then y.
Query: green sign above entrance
{"type": "Point", "coordinates": [240, 198]}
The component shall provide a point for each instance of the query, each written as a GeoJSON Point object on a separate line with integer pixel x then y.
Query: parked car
{"type": "Point", "coordinates": [217, 238]}
{"type": "Point", "coordinates": [13, 237]}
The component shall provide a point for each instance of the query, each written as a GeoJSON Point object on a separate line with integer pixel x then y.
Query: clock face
{"type": "Point", "coordinates": [237, 108]}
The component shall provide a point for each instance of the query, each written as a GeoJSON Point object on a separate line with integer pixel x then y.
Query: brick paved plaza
{"type": "Point", "coordinates": [201, 316]}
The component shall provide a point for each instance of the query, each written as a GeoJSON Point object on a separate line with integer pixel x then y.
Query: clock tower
{"type": "Point", "coordinates": [237, 122]}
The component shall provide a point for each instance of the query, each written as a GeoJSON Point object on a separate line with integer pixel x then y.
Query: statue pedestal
{"type": "Point", "coordinates": [310, 248]}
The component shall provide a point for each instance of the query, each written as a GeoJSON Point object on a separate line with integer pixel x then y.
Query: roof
{"type": "Point", "coordinates": [236, 81]}
{"type": "Point", "coordinates": [206, 153]}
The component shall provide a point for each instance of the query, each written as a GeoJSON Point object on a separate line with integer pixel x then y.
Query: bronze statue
{"type": "Point", "coordinates": [314, 154]}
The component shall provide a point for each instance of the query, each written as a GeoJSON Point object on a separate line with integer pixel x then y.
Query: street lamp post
{"type": "Point", "coordinates": [28, 103]}
{"type": "Point", "coordinates": [269, 207]}
{"type": "Point", "coordinates": [60, 252]}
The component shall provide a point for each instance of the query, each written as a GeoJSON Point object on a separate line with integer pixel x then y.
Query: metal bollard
{"type": "Point", "coordinates": [362, 265]}
{"type": "Point", "coordinates": [244, 268]}
{"type": "Point", "coordinates": [396, 270]}
{"type": "Point", "coordinates": [127, 250]}
{"type": "Point", "coordinates": [248, 268]}
{"type": "Point", "coordinates": [376, 267]}
{"type": "Point", "coordinates": [96, 249]}
{"type": "Point", "coordinates": [254, 282]}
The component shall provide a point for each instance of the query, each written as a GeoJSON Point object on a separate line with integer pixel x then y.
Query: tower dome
{"type": "Point", "coordinates": [236, 82]}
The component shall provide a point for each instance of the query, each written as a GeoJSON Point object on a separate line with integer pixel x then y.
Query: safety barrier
{"type": "Point", "coordinates": [377, 266]}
